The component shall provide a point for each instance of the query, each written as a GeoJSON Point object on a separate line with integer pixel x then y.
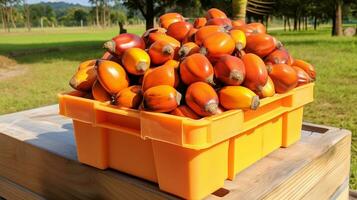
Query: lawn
{"type": "Point", "coordinates": [47, 73]}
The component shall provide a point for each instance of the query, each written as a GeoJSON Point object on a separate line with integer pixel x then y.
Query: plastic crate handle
{"type": "Point", "coordinates": [117, 119]}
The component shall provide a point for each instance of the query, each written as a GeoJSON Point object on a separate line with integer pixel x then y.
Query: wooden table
{"type": "Point", "coordinates": [38, 161]}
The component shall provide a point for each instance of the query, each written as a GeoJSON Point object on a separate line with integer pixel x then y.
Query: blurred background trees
{"type": "Point", "coordinates": [293, 15]}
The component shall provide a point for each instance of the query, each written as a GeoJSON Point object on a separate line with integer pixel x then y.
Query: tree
{"type": "Point", "coordinates": [149, 8]}
{"type": "Point", "coordinates": [80, 16]}
{"type": "Point", "coordinates": [42, 14]}
{"type": "Point", "coordinates": [96, 3]}
{"type": "Point", "coordinates": [239, 8]}
{"type": "Point", "coordinates": [337, 19]}
{"type": "Point", "coordinates": [27, 15]}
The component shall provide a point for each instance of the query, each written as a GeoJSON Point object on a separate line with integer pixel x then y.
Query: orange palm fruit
{"type": "Point", "coordinates": [179, 30]}
{"type": "Point", "coordinates": [108, 56]}
{"type": "Point", "coordinates": [196, 67]}
{"type": "Point", "coordinates": [188, 49]}
{"type": "Point", "coordinates": [261, 44]}
{"type": "Point", "coordinates": [246, 29]}
{"type": "Point", "coordinates": [256, 74]}
{"type": "Point", "coordinates": [307, 67]}
{"type": "Point", "coordinates": [173, 63]}
{"type": "Point", "coordinates": [218, 43]}
{"type": "Point", "coordinates": [136, 61]}
{"type": "Point", "coordinates": [268, 89]}
{"type": "Point", "coordinates": [111, 76]}
{"type": "Point", "coordinates": [99, 93]}
{"type": "Point", "coordinates": [238, 97]}
{"type": "Point", "coordinates": [185, 111]}
{"type": "Point", "coordinates": [202, 99]}
{"type": "Point", "coordinates": [303, 77]}
{"type": "Point", "coordinates": [206, 31]}
{"type": "Point", "coordinates": [122, 42]}
{"type": "Point", "coordinates": [163, 75]}
{"type": "Point", "coordinates": [85, 64]}
{"type": "Point", "coordinates": [239, 38]}
{"type": "Point", "coordinates": [279, 56]}
{"type": "Point", "coordinates": [215, 13]}
{"type": "Point", "coordinates": [257, 27]}
{"type": "Point", "coordinates": [220, 22]}
{"type": "Point", "coordinates": [153, 37]}
{"type": "Point", "coordinates": [238, 22]}
{"type": "Point", "coordinates": [190, 36]}
{"type": "Point", "coordinates": [160, 52]}
{"type": "Point", "coordinates": [199, 22]}
{"type": "Point", "coordinates": [161, 98]}
{"type": "Point", "coordinates": [169, 18]}
{"type": "Point", "coordinates": [229, 70]}
{"type": "Point", "coordinates": [130, 97]}
{"type": "Point", "coordinates": [83, 79]}
{"type": "Point", "coordinates": [284, 77]}
{"type": "Point", "coordinates": [146, 34]}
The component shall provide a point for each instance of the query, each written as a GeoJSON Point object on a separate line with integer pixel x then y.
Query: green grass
{"type": "Point", "coordinates": [335, 59]}
{"type": "Point", "coordinates": [48, 72]}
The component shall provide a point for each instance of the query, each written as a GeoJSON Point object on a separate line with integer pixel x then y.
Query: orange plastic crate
{"type": "Point", "coordinates": [186, 157]}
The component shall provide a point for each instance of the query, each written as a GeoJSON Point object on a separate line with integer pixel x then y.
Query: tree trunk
{"type": "Point", "coordinates": [337, 25]}
{"type": "Point", "coordinates": [12, 16]}
{"type": "Point", "coordinates": [289, 24]}
{"type": "Point", "coordinates": [295, 23]}
{"type": "Point", "coordinates": [299, 26]}
{"type": "Point", "coordinates": [239, 8]}
{"type": "Point", "coordinates": [149, 14]}
{"type": "Point", "coordinates": [266, 21]}
{"type": "Point", "coordinates": [315, 23]}
{"type": "Point", "coordinates": [284, 18]}
{"type": "Point", "coordinates": [109, 21]}
{"type": "Point", "coordinates": [3, 18]}
{"type": "Point", "coordinates": [27, 16]}
{"type": "Point", "coordinates": [305, 23]}
{"type": "Point", "coordinates": [97, 12]}
{"type": "Point", "coordinates": [104, 14]}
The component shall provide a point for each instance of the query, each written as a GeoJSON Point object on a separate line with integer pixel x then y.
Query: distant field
{"type": "Point", "coordinates": [47, 73]}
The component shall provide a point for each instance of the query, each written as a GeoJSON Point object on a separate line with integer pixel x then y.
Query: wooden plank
{"type": "Point", "coordinates": [37, 151]}
{"type": "Point", "coordinates": [12, 191]}
{"type": "Point", "coordinates": [51, 175]}
{"type": "Point", "coordinates": [290, 173]}
{"type": "Point", "coordinates": [342, 192]}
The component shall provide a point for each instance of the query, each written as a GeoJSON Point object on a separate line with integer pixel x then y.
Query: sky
{"type": "Point", "coordinates": [82, 2]}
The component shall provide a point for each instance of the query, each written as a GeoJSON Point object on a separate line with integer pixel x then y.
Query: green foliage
{"type": "Point", "coordinates": [74, 16]}
{"type": "Point", "coordinates": [44, 12]}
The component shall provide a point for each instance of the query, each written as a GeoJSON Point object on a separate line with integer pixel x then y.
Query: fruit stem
{"type": "Point", "coordinates": [255, 103]}
{"type": "Point", "coordinates": [167, 49]}
{"type": "Point", "coordinates": [236, 75]}
{"type": "Point", "coordinates": [203, 51]}
{"type": "Point", "coordinates": [211, 81]}
{"type": "Point", "coordinates": [183, 52]}
{"type": "Point", "coordinates": [279, 45]}
{"type": "Point", "coordinates": [142, 66]}
{"type": "Point", "coordinates": [178, 98]}
{"type": "Point", "coordinates": [211, 108]}
{"type": "Point", "coordinates": [109, 45]}
{"type": "Point", "coordinates": [239, 46]}
{"type": "Point", "coordinates": [269, 68]}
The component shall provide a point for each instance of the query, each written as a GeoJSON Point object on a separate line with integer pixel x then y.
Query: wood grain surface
{"type": "Point", "coordinates": [38, 153]}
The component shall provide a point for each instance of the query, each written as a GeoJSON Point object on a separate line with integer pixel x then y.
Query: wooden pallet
{"type": "Point", "coordinates": [38, 161]}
